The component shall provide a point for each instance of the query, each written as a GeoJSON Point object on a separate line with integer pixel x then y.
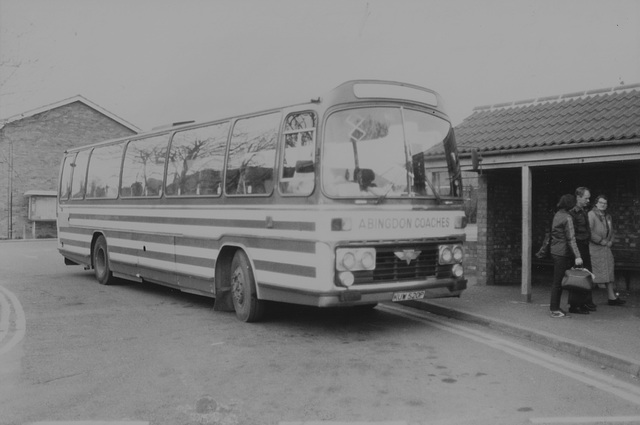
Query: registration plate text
{"type": "Point", "coordinates": [407, 296]}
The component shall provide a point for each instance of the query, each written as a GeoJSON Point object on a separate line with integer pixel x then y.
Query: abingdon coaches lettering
{"type": "Point", "coordinates": [404, 223]}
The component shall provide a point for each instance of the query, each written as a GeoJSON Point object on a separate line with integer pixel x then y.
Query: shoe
{"type": "Point", "coordinates": [579, 310]}
{"type": "Point", "coordinates": [558, 313]}
{"type": "Point", "coordinates": [590, 306]}
{"type": "Point", "coordinates": [617, 301]}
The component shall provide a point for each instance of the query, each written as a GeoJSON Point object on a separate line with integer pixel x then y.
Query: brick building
{"type": "Point", "coordinates": [31, 147]}
{"type": "Point", "coordinates": [534, 151]}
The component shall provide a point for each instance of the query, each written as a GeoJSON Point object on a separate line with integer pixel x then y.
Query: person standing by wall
{"type": "Point", "coordinates": [583, 236]}
{"type": "Point", "coordinates": [565, 252]}
{"type": "Point", "coordinates": [601, 226]}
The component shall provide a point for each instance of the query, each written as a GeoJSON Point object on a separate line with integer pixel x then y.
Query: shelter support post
{"type": "Point", "coordinates": [526, 233]}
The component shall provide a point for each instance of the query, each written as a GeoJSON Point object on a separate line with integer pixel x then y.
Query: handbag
{"type": "Point", "coordinates": [545, 249]}
{"type": "Point", "coordinates": [577, 280]}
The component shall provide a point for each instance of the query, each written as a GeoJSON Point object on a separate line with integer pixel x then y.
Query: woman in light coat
{"type": "Point", "coordinates": [600, 248]}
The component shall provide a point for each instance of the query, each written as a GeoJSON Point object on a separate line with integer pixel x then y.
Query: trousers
{"type": "Point", "coordinates": [583, 247]}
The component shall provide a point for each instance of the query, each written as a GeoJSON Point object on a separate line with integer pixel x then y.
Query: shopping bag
{"type": "Point", "coordinates": [577, 280]}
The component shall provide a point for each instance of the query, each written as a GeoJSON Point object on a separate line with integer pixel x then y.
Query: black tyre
{"type": "Point", "coordinates": [243, 290]}
{"type": "Point", "coordinates": [103, 273]}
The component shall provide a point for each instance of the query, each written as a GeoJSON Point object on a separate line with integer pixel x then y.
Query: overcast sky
{"type": "Point", "coordinates": [153, 62]}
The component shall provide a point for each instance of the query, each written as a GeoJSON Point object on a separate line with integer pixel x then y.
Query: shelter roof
{"type": "Point", "coordinates": [571, 120]}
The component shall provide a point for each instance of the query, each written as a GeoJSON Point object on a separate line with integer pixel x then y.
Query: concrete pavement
{"type": "Point", "coordinates": [610, 336]}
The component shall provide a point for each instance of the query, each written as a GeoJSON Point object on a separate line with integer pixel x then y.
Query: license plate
{"type": "Point", "coordinates": [406, 296]}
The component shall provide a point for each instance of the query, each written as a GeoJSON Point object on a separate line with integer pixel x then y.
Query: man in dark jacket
{"type": "Point", "coordinates": [583, 235]}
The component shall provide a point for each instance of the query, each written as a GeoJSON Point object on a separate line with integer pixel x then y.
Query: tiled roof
{"type": "Point", "coordinates": [570, 119]}
{"type": "Point", "coordinates": [77, 98]}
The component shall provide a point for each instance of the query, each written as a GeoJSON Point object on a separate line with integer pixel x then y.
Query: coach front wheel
{"type": "Point", "coordinates": [101, 262]}
{"type": "Point", "coordinates": [243, 290]}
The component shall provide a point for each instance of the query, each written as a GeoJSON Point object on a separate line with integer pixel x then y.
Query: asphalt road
{"type": "Point", "coordinates": [73, 351]}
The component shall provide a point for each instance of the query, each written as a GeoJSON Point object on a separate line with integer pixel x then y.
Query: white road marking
{"type": "Point", "coordinates": [606, 383]}
{"type": "Point", "coordinates": [587, 420]}
{"type": "Point", "coordinates": [9, 301]}
{"type": "Point", "coordinates": [5, 312]}
{"type": "Point", "coordinates": [343, 423]}
{"type": "Point", "coordinates": [89, 423]}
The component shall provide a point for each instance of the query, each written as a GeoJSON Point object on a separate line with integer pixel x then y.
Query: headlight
{"type": "Point", "coordinates": [368, 260]}
{"type": "Point", "coordinates": [346, 278]}
{"type": "Point", "coordinates": [445, 255]}
{"type": "Point", "coordinates": [450, 254]}
{"type": "Point", "coordinates": [348, 261]}
{"type": "Point", "coordinates": [354, 259]}
{"type": "Point", "coordinates": [458, 254]}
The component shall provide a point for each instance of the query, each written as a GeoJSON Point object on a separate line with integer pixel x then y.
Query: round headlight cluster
{"type": "Point", "coordinates": [355, 259]}
{"type": "Point", "coordinates": [450, 254]}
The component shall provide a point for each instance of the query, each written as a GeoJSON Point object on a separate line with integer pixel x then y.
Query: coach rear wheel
{"type": "Point", "coordinates": [243, 290]}
{"type": "Point", "coordinates": [101, 262]}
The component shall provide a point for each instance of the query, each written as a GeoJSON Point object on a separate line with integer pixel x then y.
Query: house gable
{"type": "Point", "coordinates": [68, 101]}
{"type": "Point", "coordinates": [33, 144]}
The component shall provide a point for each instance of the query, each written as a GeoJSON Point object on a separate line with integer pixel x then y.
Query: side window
{"type": "Point", "coordinates": [298, 170]}
{"type": "Point", "coordinates": [78, 182]}
{"type": "Point", "coordinates": [196, 161]}
{"type": "Point", "coordinates": [65, 179]}
{"type": "Point", "coordinates": [252, 156]}
{"type": "Point", "coordinates": [143, 167]}
{"type": "Point", "coordinates": [104, 172]}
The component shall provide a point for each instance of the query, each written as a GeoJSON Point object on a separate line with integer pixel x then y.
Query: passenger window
{"type": "Point", "coordinates": [78, 181]}
{"type": "Point", "coordinates": [143, 167]}
{"type": "Point", "coordinates": [65, 179]}
{"type": "Point", "coordinates": [104, 172]}
{"type": "Point", "coordinates": [298, 164]}
{"type": "Point", "coordinates": [252, 156]}
{"type": "Point", "coordinates": [196, 161]}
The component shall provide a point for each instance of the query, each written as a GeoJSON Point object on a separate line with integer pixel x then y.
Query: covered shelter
{"type": "Point", "coordinates": [529, 153]}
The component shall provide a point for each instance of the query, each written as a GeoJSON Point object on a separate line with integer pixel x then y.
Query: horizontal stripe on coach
{"type": "Point", "coordinates": [284, 268]}
{"type": "Point", "coordinates": [193, 221]}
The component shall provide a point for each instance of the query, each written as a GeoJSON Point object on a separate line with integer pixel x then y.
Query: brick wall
{"type": "Point", "coordinates": [37, 144]}
{"type": "Point", "coordinates": [504, 227]}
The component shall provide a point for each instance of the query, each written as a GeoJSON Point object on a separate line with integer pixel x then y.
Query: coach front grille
{"type": "Point", "coordinates": [391, 268]}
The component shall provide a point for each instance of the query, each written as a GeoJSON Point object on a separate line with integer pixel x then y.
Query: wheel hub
{"type": "Point", "coordinates": [237, 287]}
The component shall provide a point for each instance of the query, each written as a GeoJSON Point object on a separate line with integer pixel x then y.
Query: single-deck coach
{"type": "Point", "coordinates": [335, 202]}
